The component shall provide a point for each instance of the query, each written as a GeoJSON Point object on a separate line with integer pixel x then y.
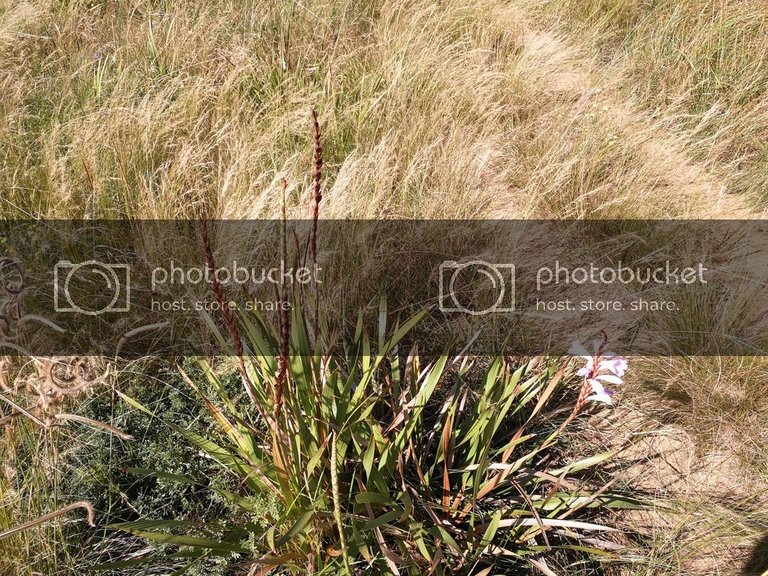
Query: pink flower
{"type": "Point", "coordinates": [578, 349]}
{"type": "Point", "coordinates": [587, 370]}
{"type": "Point", "coordinates": [602, 367]}
{"type": "Point", "coordinates": [599, 393]}
{"type": "Point", "coordinates": [617, 365]}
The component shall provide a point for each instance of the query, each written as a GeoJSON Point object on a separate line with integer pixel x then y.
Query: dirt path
{"type": "Point", "coordinates": [663, 460]}
{"type": "Point", "coordinates": [698, 192]}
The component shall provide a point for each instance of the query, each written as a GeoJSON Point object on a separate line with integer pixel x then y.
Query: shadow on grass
{"type": "Point", "coordinates": [757, 564]}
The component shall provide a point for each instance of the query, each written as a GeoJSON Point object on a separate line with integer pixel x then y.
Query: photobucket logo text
{"type": "Point", "coordinates": [235, 274]}
{"type": "Point", "coordinates": [592, 274]}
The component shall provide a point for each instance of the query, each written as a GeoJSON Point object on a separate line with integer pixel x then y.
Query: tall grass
{"type": "Point", "coordinates": [429, 110]}
{"type": "Point", "coordinates": [699, 66]}
{"type": "Point", "coordinates": [30, 487]}
{"type": "Point", "coordinates": [452, 109]}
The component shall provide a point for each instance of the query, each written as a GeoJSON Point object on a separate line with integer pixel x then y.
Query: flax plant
{"type": "Point", "coordinates": [388, 462]}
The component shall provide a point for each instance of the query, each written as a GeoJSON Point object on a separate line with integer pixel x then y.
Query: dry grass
{"type": "Point", "coordinates": [722, 401]}
{"type": "Point", "coordinates": [704, 537]}
{"type": "Point", "coordinates": [29, 488]}
{"type": "Point", "coordinates": [465, 109]}
{"type": "Point", "coordinates": [697, 66]}
{"type": "Point", "coordinates": [453, 110]}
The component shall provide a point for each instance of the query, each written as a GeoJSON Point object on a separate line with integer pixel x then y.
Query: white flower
{"type": "Point", "coordinates": [601, 367]}
{"type": "Point", "coordinates": [599, 393]}
{"type": "Point", "coordinates": [617, 365]}
{"type": "Point", "coordinates": [578, 349]}
{"type": "Point", "coordinates": [588, 369]}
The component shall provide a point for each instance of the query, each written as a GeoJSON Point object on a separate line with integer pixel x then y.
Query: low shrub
{"type": "Point", "coordinates": [381, 461]}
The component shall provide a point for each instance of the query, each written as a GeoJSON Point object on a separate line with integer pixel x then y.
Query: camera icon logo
{"type": "Point", "coordinates": [476, 287]}
{"type": "Point", "coordinates": [91, 287]}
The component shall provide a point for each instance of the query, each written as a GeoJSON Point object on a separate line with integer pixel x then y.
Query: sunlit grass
{"type": "Point", "coordinates": [698, 66]}
{"type": "Point", "coordinates": [428, 110]}
{"type": "Point", "coordinates": [30, 481]}
{"type": "Point", "coordinates": [451, 109]}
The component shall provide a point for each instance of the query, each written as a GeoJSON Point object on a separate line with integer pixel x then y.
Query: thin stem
{"type": "Point", "coordinates": [47, 517]}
